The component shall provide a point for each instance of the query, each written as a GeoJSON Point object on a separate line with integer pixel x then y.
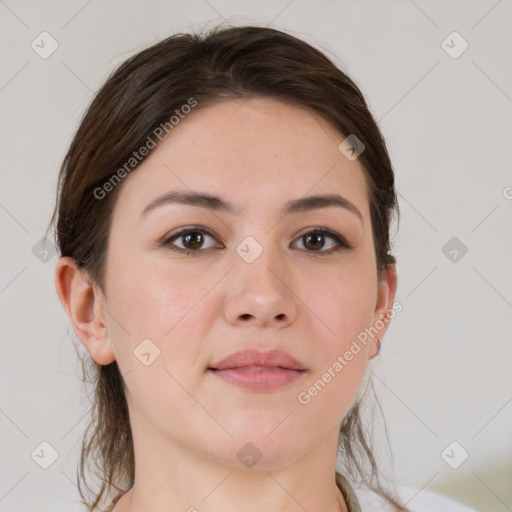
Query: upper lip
{"type": "Point", "coordinates": [252, 357]}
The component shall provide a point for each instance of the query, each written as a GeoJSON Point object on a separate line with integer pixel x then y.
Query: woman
{"type": "Point", "coordinates": [223, 222]}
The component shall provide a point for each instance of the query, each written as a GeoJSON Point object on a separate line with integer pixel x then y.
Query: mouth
{"type": "Point", "coordinates": [259, 371]}
{"type": "Point", "coordinates": [253, 357]}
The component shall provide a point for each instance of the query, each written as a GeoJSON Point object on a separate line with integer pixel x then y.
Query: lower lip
{"type": "Point", "coordinates": [259, 379]}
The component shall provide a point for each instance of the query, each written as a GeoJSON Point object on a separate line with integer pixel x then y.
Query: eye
{"type": "Point", "coordinates": [314, 240]}
{"type": "Point", "coordinates": [191, 238]}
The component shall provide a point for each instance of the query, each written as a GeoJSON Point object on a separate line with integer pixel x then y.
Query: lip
{"type": "Point", "coordinates": [253, 357]}
{"type": "Point", "coordinates": [259, 378]}
{"type": "Point", "coordinates": [259, 371]}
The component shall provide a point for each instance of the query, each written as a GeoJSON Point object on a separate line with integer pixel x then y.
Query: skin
{"type": "Point", "coordinates": [188, 424]}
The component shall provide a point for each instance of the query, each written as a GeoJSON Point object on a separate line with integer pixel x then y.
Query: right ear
{"type": "Point", "coordinates": [83, 302]}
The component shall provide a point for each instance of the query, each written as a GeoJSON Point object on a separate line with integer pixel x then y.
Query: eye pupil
{"type": "Point", "coordinates": [194, 239]}
{"type": "Point", "coordinates": [316, 244]}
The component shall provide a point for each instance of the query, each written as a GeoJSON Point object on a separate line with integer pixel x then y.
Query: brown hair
{"type": "Point", "coordinates": [140, 96]}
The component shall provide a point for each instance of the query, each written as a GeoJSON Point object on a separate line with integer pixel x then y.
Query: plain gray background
{"type": "Point", "coordinates": [444, 371]}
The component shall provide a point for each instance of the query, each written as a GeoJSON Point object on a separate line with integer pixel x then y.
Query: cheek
{"type": "Point", "coordinates": [147, 302]}
{"type": "Point", "coordinates": [150, 298]}
{"type": "Point", "coordinates": [345, 312]}
{"type": "Point", "coordinates": [173, 309]}
{"type": "Point", "coordinates": [341, 357]}
{"type": "Point", "coordinates": [345, 304]}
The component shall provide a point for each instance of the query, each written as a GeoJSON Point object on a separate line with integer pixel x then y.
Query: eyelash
{"type": "Point", "coordinates": [340, 241]}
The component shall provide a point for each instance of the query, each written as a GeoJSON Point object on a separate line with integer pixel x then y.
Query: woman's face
{"type": "Point", "coordinates": [251, 280]}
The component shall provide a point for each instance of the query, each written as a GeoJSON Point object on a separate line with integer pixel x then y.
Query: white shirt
{"type": "Point", "coordinates": [416, 500]}
{"type": "Point", "coordinates": [362, 499]}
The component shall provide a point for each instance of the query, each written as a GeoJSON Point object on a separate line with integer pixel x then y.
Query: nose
{"type": "Point", "coordinates": [260, 293]}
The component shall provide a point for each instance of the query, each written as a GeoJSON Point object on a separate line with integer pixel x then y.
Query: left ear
{"type": "Point", "coordinates": [385, 298]}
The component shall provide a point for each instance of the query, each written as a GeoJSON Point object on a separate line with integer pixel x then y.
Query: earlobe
{"type": "Point", "coordinates": [385, 298]}
{"type": "Point", "coordinates": [82, 301]}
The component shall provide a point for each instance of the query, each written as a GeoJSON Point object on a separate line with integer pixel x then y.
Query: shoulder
{"type": "Point", "coordinates": [415, 500]}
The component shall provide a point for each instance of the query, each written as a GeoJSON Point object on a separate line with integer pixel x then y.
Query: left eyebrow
{"type": "Point", "coordinates": [320, 201]}
{"type": "Point", "coordinates": [216, 203]}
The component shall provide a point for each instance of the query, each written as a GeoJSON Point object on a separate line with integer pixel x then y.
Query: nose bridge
{"type": "Point", "coordinates": [258, 287]}
{"type": "Point", "coordinates": [259, 263]}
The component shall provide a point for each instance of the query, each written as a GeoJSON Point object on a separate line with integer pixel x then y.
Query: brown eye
{"type": "Point", "coordinates": [192, 240]}
{"type": "Point", "coordinates": [315, 240]}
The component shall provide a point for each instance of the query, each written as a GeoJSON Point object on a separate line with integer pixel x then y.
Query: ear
{"type": "Point", "coordinates": [83, 302]}
{"type": "Point", "coordinates": [383, 308]}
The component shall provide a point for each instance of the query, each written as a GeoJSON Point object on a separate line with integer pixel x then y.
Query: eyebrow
{"type": "Point", "coordinates": [216, 203]}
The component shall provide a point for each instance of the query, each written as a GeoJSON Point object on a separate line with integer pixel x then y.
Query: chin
{"type": "Point", "coordinates": [253, 448]}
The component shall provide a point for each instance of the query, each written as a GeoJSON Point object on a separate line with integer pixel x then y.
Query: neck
{"type": "Point", "coordinates": [272, 492]}
{"type": "Point", "coordinates": [188, 481]}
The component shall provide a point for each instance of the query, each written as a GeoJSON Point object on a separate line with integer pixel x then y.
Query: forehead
{"type": "Point", "coordinates": [253, 152]}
